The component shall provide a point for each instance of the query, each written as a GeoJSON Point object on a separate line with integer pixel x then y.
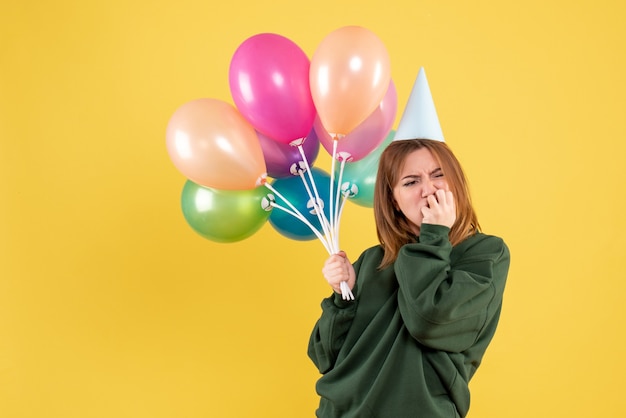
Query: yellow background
{"type": "Point", "coordinates": [111, 306]}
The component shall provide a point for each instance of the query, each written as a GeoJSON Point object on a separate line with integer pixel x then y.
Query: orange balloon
{"type": "Point", "coordinates": [211, 143]}
{"type": "Point", "coordinates": [349, 76]}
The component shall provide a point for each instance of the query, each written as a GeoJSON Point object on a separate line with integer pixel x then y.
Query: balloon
{"type": "Point", "coordinates": [223, 215]}
{"type": "Point", "coordinates": [362, 174]}
{"type": "Point", "coordinates": [368, 135]}
{"type": "Point", "coordinates": [213, 145]}
{"type": "Point", "coordinates": [292, 189]}
{"type": "Point", "coordinates": [269, 82]}
{"type": "Point", "coordinates": [280, 157]}
{"type": "Point", "coordinates": [350, 74]}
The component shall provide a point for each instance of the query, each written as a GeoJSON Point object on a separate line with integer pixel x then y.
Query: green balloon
{"type": "Point", "coordinates": [359, 177]}
{"type": "Point", "coordinates": [224, 215]}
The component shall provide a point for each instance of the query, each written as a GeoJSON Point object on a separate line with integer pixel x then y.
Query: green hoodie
{"type": "Point", "coordinates": [417, 331]}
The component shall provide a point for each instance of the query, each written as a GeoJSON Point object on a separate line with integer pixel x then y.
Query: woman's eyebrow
{"type": "Point", "coordinates": [436, 171]}
{"type": "Point", "coordinates": [418, 176]}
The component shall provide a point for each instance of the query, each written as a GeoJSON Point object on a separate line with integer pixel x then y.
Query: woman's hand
{"type": "Point", "coordinates": [441, 209]}
{"type": "Point", "coordinates": [337, 269]}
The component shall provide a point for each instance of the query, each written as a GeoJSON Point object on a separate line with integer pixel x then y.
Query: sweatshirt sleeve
{"type": "Point", "coordinates": [448, 297]}
{"type": "Point", "coordinates": [331, 329]}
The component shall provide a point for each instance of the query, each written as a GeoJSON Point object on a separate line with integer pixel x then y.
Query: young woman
{"type": "Point", "coordinates": [427, 298]}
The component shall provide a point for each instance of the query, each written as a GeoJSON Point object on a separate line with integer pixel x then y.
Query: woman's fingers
{"type": "Point", "coordinates": [441, 209]}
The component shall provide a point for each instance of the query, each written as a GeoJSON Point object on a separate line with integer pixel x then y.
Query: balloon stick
{"type": "Point", "coordinates": [316, 198]}
{"type": "Point", "coordinates": [337, 211]}
{"type": "Point", "coordinates": [346, 293]}
{"type": "Point", "coordinates": [305, 221]}
{"type": "Point", "coordinates": [331, 196]}
{"type": "Point", "coordinates": [331, 230]}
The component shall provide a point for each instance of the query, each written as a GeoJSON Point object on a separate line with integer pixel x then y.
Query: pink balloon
{"type": "Point", "coordinates": [214, 146]}
{"type": "Point", "coordinates": [269, 82]}
{"type": "Point", "coordinates": [280, 157]}
{"type": "Point", "coordinates": [368, 135]}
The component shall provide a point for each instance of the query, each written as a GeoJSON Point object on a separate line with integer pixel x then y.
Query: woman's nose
{"type": "Point", "coordinates": [428, 188]}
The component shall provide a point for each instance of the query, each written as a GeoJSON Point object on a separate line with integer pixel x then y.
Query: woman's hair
{"type": "Point", "coordinates": [392, 227]}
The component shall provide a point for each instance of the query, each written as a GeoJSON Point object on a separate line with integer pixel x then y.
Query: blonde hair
{"type": "Point", "coordinates": [392, 226]}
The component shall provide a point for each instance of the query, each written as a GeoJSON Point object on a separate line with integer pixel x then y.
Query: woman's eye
{"type": "Point", "coordinates": [410, 183]}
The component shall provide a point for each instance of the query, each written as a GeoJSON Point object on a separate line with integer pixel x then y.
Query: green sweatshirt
{"type": "Point", "coordinates": [416, 333]}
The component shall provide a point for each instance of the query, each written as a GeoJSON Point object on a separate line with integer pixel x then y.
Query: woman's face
{"type": "Point", "coordinates": [420, 176]}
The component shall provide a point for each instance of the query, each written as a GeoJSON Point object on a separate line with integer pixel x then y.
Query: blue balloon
{"type": "Point", "coordinates": [293, 190]}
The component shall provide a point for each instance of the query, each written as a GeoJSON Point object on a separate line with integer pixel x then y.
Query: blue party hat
{"type": "Point", "coordinates": [419, 119]}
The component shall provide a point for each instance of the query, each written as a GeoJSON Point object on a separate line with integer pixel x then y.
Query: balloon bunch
{"type": "Point", "coordinates": [286, 106]}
